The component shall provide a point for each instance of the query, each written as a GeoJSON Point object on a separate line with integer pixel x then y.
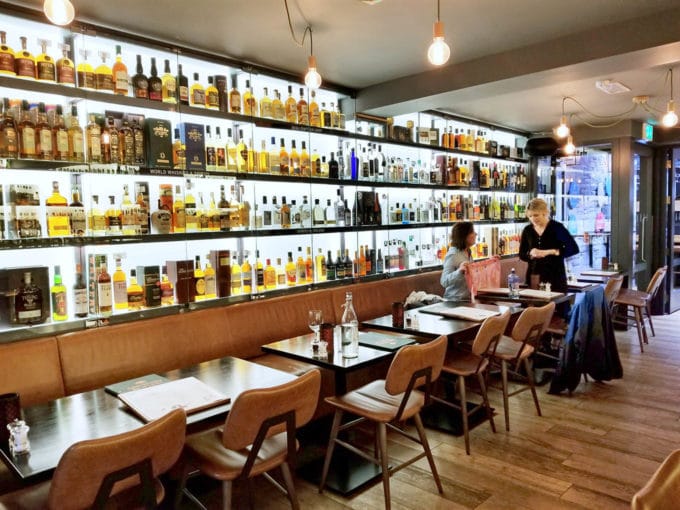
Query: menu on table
{"type": "Point", "coordinates": [468, 313]}
{"type": "Point", "coordinates": [189, 394]}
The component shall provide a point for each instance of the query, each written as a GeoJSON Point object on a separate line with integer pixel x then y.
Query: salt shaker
{"type": "Point", "coordinates": [18, 437]}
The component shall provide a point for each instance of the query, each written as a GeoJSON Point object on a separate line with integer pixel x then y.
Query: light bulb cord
{"type": "Point", "coordinates": [438, 10]}
{"type": "Point", "coordinates": [308, 29]}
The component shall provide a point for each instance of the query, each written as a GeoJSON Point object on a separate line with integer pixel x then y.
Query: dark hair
{"type": "Point", "coordinates": [459, 234]}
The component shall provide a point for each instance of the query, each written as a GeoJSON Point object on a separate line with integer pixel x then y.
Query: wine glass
{"type": "Point", "coordinates": [315, 320]}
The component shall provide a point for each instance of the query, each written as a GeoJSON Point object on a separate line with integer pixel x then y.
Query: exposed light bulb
{"type": "Point", "coordinates": [312, 78]}
{"type": "Point", "coordinates": [59, 12]}
{"type": "Point", "coordinates": [569, 148]}
{"type": "Point", "coordinates": [670, 119]}
{"type": "Point", "coordinates": [562, 130]}
{"type": "Point", "coordinates": [439, 52]}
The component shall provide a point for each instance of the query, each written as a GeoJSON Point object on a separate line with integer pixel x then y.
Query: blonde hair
{"type": "Point", "coordinates": [538, 205]}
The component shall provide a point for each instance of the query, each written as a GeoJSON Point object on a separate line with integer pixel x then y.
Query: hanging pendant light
{"type": "Point", "coordinates": [670, 119]}
{"type": "Point", "coordinates": [312, 78]}
{"type": "Point", "coordinates": [59, 12]}
{"type": "Point", "coordinates": [439, 52]}
{"type": "Point", "coordinates": [562, 130]}
{"type": "Point", "coordinates": [569, 148]}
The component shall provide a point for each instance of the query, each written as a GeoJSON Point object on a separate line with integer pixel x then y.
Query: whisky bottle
{"type": "Point", "coordinates": [155, 84]}
{"type": "Point", "coordinates": [138, 138]}
{"type": "Point", "coordinates": [9, 139]}
{"type": "Point", "coordinates": [318, 216]}
{"type": "Point", "coordinates": [241, 154]}
{"type": "Point", "coordinates": [329, 213]}
{"type": "Point", "coordinates": [280, 273]}
{"type": "Point", "coordinates": [274, 158]}
{"type": "Point", "coordinates": [302, 109]}
{"type": "Point", "coordinates": [285, 214]}
{"type": "Point", "coordinates": [28, 302]}
{"type": "Point", "coordinates": [168, 85]}
{"type": "Point", "coordinates": [66, 71]}
{"type": "Point", "coordinates": [76, 145]}
{"type": "Point", "coordinates": [305, 168]}
{"type": "Point", "coordinates": [259, 272]}
{"type": "Point", "coordinates": [120, 74]}
{"type": "Point", "coordinates": [330, 267]}
{"type": "Point", "coordinates": [94, 141]}
{"type": "Point", "coordinates": [232, 156]}
{"type": "Point", "coordinates": [220, 152]}
{"type": "Point", "coordinates": [249, 101]}
{"type": "Point", "coordinates": [270, 281]}
{"type": "Point", "coordinates": [114, 222]}
{"type": "Point", "coordinates": [326, 120]}
{"type": "Point", "coordinates": [26, 131]}
{"type": "Point", "coordinates": [300, 268]}
{"type": "Point", "coordinates": [103, 75]}
{"type": "Point", "coordinates": [178, 212]}
{"type": "Point", "coordinates": [210, 151]}
{"type": "Point", "coordinates": [59, 137]}
{"type": "Point", "coordinates": [202, 214]}
{"type": "Point", "coordinates": [278, 110]}
{"type": "Point", "coordinates": [291, 271]}
{"type": "Point", "coordinates": [190, 212]}
{"type": "Point", "coordinates": [105, 142]}
{"type": "Point", "coordinates": [197, 93]}
{"type": "Point", "coordinates": [263, 164]}
{"type": "Point", "coordinates": [309, 266]}
{"type": "Point", "coordinates": [199, 280]}
{"type": "Point", "coordinates": [126, 144]}
{"type": "Point", "coordinates": [182, 86]}
{"type": "Point", "coordinates": [45, 68]}
{"type": "Point", "coordinates": [24, 63]}
{"type": "Point", "coordinates": [236, 287]}
{"type": "Point", "coordinates": [266, 107]}
{"type": "Point", "coordinates": [129, 215]}
{"type": "Point", "coordinates": [85, 72]}
{"type": "Point", "coordinates": [7, 65]}
{"type": "Point", "coordinates": [43, 135]}
{"type": "Point", "coordinates": [135, 293]}
{"type": "Point", "coordinates": [179, 159]}
{"type": "Point", "coordinates": [247, 275]}
{"type": "Point", "coordinates": [223, 210]}
{"type": "Point", "coordinates": [333, 167]}
{"type": "Point", "coordinates": [77, 217]}
{"type": "Point", "coordinates": [243, 210]}
{"type": "Point", "coordinates": [58, 297]}
{"type": "Point", "coordinates": [234, 97]}
{"type": "Point", "coordinates": [97, 218]}
{"type": "Point", "coordinates": [167, 290]}
{"type": "Point", "coordinates": [120, 296]}
{"type": "Point", "coordinates": [294, 160]}
{"type": "Point", "coordinates": [210, 280]}
{"type": "Point", "coordinates": [104, 291]}
{"type": "Point", "coordinates": [291, 107]}
{"type": "Point", "coordinates": [284, 159]}
{"type": "Point", "coordinates": [140, 83]}
{"type": "Point", "coordinates": [314, 112]}
{"type": "Point", "coordinates": [213, 215]}
{"type": "Point", "coordinates": [79, 294]}
{"type": "Point", "coordinates": [320, 268]}
{"type": "Point", "coordinates": [212, 95]}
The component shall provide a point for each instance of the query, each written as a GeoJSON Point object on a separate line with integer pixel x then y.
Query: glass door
{"type": "Point", "coordinates": [642, 221]}
{"type": "Point", "coordinates": [674, 229]}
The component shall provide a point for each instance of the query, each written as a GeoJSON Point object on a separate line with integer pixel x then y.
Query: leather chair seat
{"type": "Point", "coordinates": [508, 348]}
{"type": "Point", "coordinates": [373, 402]}
{"type": "Point", "coordinates": [463, 363]}
{"type": "Point", "coordinates": [208, 454]}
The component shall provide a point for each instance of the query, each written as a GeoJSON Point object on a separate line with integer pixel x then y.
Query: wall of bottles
{"type": "Point", "coordinates": [145, 156]}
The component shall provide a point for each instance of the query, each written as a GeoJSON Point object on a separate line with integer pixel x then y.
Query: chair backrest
{"type": "Point", "coordinates": [489, 333]}
{"type": "Point", "coordinates": [611, 290]}
{"type": "Point", "coordinates": [85, 466]}
{"type": "Point", "coordinates": [412, 359]}
{"type": "Point", "coordinates": [663, 488]}
{"type": "Point", "coordinates": [254, 407]}
{"type": "Point", "coordinates": [532, 323]}
{"type": "Point", "coordinates": [655, 282]}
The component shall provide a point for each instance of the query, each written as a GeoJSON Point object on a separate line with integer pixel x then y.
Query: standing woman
{"type": "Point", "coordinates": [545, 244]}
{"type": "Point", "coordinates": [463, 237]}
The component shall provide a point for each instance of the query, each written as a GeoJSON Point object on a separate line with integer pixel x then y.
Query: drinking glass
{"type": "Point", "coordinates": [315, 320]}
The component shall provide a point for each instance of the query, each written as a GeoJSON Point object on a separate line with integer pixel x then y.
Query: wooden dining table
{"type": "Point", "coordinates": [56, 425]}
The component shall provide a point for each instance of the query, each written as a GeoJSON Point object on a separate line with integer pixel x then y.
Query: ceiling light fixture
{"type": "Point", "coordinates": [562, 130]}
{"type": "Point", "coordinates": [439, 52]}
{"type": "Point", "coordinates": [670, 119]}
{"type": "Point", "coordinates": [59, 12]}
{"type": "Point", "coordinates": [312, 78]}
{"type": "Point", "coordinates": [569, 148]}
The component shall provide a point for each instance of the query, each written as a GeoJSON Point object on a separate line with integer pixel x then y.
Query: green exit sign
{"type": "Point", "coordinates": [647, 132]}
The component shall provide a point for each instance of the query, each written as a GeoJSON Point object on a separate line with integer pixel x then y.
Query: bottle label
{"type": "Point", "coordinates": [10, 141]}
{"type": "Point", "coordinates": [291, 276]}
{"type": "Point", "coordinates": [235, 283]}
{"type": "Point", "coordinates": [211, 156]}
{"type": "Point", "coordinates": [120, 295]}
{"type": "Point", "coordinates": [104, 295]}
{"type": "Point", "coordinates": [210, 285]}
{"type": "Point", "coordinates": [45, 139]}
{"type": "Point", "coordinates": [46, 71]}
{"type": "Point", "coordinates": [58, 221]}
{"type": "Point", "coordinates": [183, 93]}
{"type": "Point", "coordinates": [265, 109]}
{"type": "Point", "coordinates": [135, 301]}
{"type": "Point", "coordinates": [66, 75]}
{"type": "Point", "coordinates": [25, 67]}
{"type": "Point", "coordinates": [221, 157]}
{"type": "Point", "coordinates": [78, 220]}
{"type": "Point", "coordinates": [121, 81]}
{"type": "Point", "coordinates": [78, 144]}
{"type": "Point", "coordinates": [7, 63]}
{"type": "Point", "coordinates": [104, 82]}
{"type": "Point", "coordinates": [59, 303]}
{"type": "Point", "coordinates": [28, 141]}
{"type": "Point", "coordinates": [156, 91]}
{"type": "Point", "coordinates": [235, 103]}
{"type": "Point", "coordinates": [95, 146]}
{"type": "Point", "coordinates": [62, 142]}
{"type": "Point", "coordinates": [142, 89]}
{"type": "Point", "coordinates": [213, 100]}
{"type": "Point", "coordinates": [198, 97]}
{"type": "Point", "coordinates": [199, 284]}
{"type": "Point", "coordinates": [86, 80]}
{"type": "Point", "coordinates": [80, 301]}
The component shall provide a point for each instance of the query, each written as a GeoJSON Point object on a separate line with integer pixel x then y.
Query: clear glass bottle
{"type": "Point", "coordinates": [349, 329]}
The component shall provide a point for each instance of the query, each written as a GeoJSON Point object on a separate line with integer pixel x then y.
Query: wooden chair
{"type": "Point", "coordinates": [514, 351]}
{"type": "Point", "coordinates": [258, 436]}
{"type": "Point", "coordinates": [119, 471]}
{"type": "Point", "coordinates": [612, 289]}
{"type": "Point", "coordinates": [663, 488]}
{"type": "Point", "coordinates": [639, 302]}
{"type": "Point", "coordinates": [462, 364]}
{"type": "Point", "coordinates": [390, 400]}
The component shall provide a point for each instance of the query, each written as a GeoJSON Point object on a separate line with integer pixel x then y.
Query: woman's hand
{"type": "Point", "coordinates": [535, 253]}
{"type": "Point", "coordinates": [463, 267]}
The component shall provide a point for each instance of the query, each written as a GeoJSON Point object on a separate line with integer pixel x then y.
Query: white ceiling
{"type": "Point", "coordinates": [512, 60]}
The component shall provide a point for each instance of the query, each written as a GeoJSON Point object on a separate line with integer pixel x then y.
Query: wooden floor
{"type": "Point", "coordinates": [592, 450]}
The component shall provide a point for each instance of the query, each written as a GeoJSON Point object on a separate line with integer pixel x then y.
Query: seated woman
{"type": "Point", "coordinates": [463, 237]}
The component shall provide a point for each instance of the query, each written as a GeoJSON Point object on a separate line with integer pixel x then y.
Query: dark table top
{"type": "Point", "coordinates": [56, 425]}
{"type": "Point", "coordinates": [494, 297]}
